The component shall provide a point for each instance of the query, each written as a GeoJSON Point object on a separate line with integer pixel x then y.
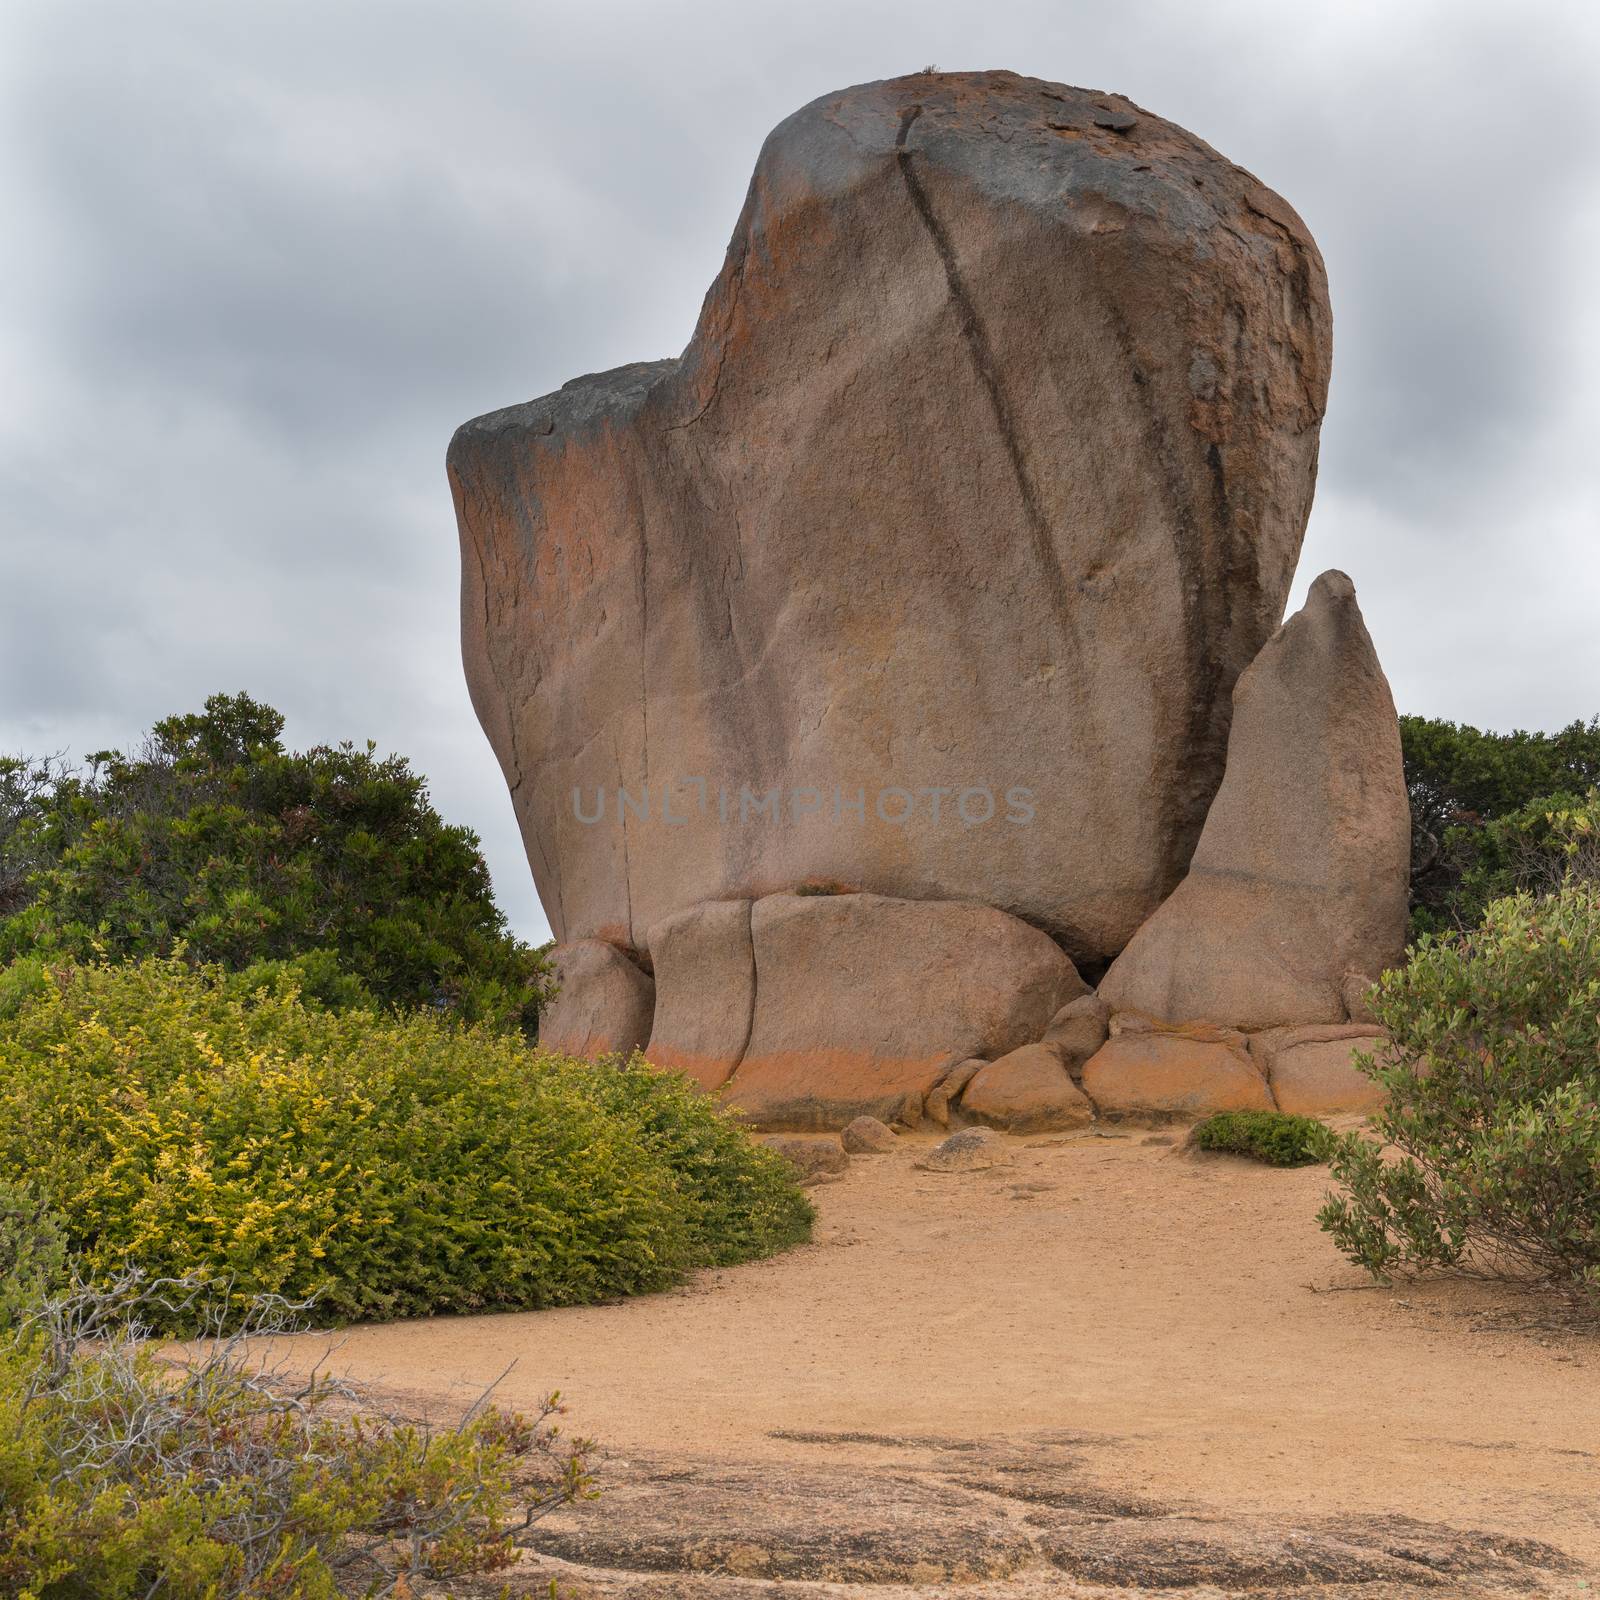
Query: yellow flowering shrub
{"type": "Point", "coordinates": [387, 1166]}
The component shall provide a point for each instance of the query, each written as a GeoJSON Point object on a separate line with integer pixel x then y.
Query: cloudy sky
{"type": "Point", "coordinates": [261, 257]}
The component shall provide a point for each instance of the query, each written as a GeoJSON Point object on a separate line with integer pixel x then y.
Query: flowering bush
{"type": "Point", "coordinates": [381, 1165]}
{"type": "Point", "coordinates": [1493, 1117]}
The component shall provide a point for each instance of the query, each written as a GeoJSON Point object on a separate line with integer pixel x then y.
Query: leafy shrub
{"type": "Point", "coordinates": [33, 1251]}
{"type": "Point", "coordinates": [1478, 806]}
{"type": "Point", "coordinates": [385, 1166]}
{"type": "Point", "coordinates": [124, 1474]}
{"type": "Point", "coordinates": [215, 839]}
{"type": "Point", "coordinates": [1276, 1137]}
{"type": "Point", "coordinates": [1494, 1103]}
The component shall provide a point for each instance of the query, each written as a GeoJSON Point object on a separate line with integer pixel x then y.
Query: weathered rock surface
{"type": "Point", "coordinates": [857, 1003]}
{"type": "Point", "coordinates": [1146, 1070]}
{"type": "Point", "coordinates": [1300, 876]}
{"type": "Point", "coordinates": [947, 1089]}
{"type": "Point", "coordinates": [1007, 1520]}
{"type": "Point", "coordinates": [1312, 1070]}
{"type": "Point", "coordinates": [604, 1003]}
{"type": "Point", "coordinates": [1356, 991]}
{"type": "Point", "coordinates": [1028, 1090]}
{"type": "Point", "coordinates": [1078, 1029]}
{"type": "Point", "coordinates": [970, 1150]}
{"type": "Point", "coordinates": [986, 469]}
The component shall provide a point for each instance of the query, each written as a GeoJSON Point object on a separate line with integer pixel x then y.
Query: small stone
{"type": "Point", "coordinates": [970, 1150]}
{"type": "Point", "coordinates": [817, 1160]}
{"type": "Point", "coordinates": [866, 1136]}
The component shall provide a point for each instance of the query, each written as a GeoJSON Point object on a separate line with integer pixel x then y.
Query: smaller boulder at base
{"type": "Point", "coordinates": [603, 1006]}
{"type": "Point", "coordinates": [1171, 1074]}
{"type": "Point", "coordinates": [1027, 1091]}
{"type": "Point", "coordinates": [861, 1000]}
{"type": "Point", "coordinates": [970, 1150]}
{"type": "Point", "coordinates": [1313, 1071]}
{"type": "Point", "coordinates": [866, 1136]}
{"type": "Point", "coordinates": [705, 990]}
{"type": "Point", "coordinates": [944, 1094]}
{"type": "Point", "coordinates": [1078, 1029]}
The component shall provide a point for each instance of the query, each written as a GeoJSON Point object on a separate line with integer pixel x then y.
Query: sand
{"type": "Point", "coordinates": [1185, 1313]}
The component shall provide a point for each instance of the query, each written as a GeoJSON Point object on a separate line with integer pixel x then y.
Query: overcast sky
{"type": "Point", "coordinates": [261, 258]}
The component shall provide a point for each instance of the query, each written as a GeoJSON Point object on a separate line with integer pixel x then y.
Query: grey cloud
{"type": "Point", "coordinates": [263, 257]}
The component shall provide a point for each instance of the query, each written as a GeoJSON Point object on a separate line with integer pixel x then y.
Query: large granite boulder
{"type": "Point", "coordinates": [858, 1004]}
{"type": "Point", "coordinates": [931, 564]}
{"type": "Point", "coordinates": [1300, 877]}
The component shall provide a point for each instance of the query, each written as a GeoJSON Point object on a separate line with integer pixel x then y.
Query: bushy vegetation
{"type": "Point", "coordinates": [1481, 808]}
{"type": "Point", "coordinates": [380, 1165]}
{"type": "Point", "coordinates": [126, 1474]}
{"type": "Point", "coordinates": [1493, 1116]}
{"type": "Point", "coordinates": [214, 839]}
{"type": "Point", "coordinates": [1279, 1138]}
{"type": "Point", "coordinates": [33, 1252]}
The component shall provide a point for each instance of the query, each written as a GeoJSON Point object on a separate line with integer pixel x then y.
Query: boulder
{"type": "Point", "coordinates": [705, 990]}
{"type": "Point", "coordinates": [1300, 877]}
{"type": "Point", "coordinates": [970, 1150]}
{"type": "Point", "coordinates": [603, 1004]}
{"type": "Point", "coordinates": [816, 1160]}
{"type": "Point", "coordinates": [930, 565]}
{"type": "Point", "coordinates": [1027, 1091]}
{"type": "Point", "coordinates": [947, 1090]}
{"type": "Point", "coordinates": [1078, 1029]}
{"type": "Point", "coordinates": [866, 1136]}
{"type": "Point", "coordinates": [1169, 1074]}
{"type": "Point", "coordinates": [861, 1001]}
{"type": "Point", "coordinates": [1312, 1070]}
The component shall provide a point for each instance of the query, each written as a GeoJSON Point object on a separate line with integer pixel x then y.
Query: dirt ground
{"type": "Point", "coordinates": [1109, 1346]}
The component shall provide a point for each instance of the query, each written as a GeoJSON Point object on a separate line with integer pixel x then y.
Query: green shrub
{"type": "Point", "coordinates": [1478, 807]}
{"type": "Point", "coordinates": [125, 1475]}
{"type": "Point", "coordinates": [386, 1166]}
{"type": "Point", "coordinates": [1493, 1116]}
{"type": "Point", "coordinates": [215, 839]}
{"type": "Point", "coordinates": [1276, 1137]}
{"type": "Point", "coordinates": [33, 1251]}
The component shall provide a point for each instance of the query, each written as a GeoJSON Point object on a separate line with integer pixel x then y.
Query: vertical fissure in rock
{"type": "Point", "coordinates": [1203, 615]}
{"type": "Point", "coordinates": [981, 351]}
{"type": "Point", "coordinates": [755, 980]}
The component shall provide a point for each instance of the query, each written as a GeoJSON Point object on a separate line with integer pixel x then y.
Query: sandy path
{"type": "Point", "coordinates": [1107, 1286]}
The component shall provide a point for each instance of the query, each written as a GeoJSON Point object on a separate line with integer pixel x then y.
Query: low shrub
{"type": "Point", "coordinates": [381, 1165]}
{"type": "Point", "coordinates": [1493, 1115]}
{"type": "Point", "coordinates": [1279, 1138]}
{"type": "Point", "coordinates": [33, 1251]}
{"type": "Point", "coordinates": [126, 1474]}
